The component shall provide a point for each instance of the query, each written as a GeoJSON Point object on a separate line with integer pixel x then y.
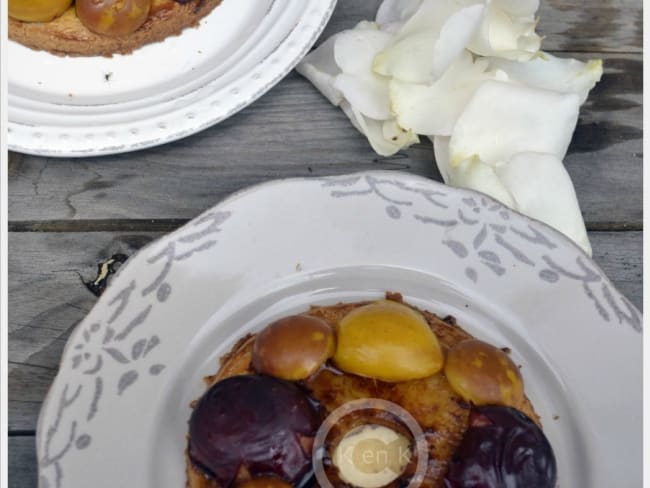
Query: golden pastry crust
{"type": "Point", "coordinates": [441, 413]}
{"type": "Point", "coordinates": [66, 35]}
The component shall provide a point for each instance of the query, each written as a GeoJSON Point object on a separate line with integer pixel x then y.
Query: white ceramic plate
{"type": "Point", "coordinates": [71, 106]}
{"type": "Point", "coordinates": [116, 414]}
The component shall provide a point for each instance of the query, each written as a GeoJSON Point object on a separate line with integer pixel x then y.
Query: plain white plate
{"type": "Point", "coordinates": [117, 412]}
{"type": "Point", "coordinates": [72, 106]}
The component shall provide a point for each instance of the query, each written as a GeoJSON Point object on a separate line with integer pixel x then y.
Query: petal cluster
{"type": "Point", "coordinates": [470, 75]}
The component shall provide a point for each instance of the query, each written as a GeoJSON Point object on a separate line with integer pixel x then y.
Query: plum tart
{"type": "Point", "coordinates": [100, 27]}
{"type": "Point", "coordinates": [259, 423]}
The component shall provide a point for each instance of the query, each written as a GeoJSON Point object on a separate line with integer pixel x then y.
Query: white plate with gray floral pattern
{"type": "Point", "coordinates": [117, 412]}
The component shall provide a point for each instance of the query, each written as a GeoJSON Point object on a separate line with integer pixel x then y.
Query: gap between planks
{"type": "Point", "coordinates": [169, 225]}
{"type": "Point", "coordinates": [21, 433]}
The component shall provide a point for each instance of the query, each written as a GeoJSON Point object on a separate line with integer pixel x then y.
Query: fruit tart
{"type": "Point", "coordinates": [367, 395]}
{"type": "Point", "coordinates": [100, 27]}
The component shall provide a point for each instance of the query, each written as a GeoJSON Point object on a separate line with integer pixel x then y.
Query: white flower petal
{"type": "Point", "coordinates": [455, 34]}
{"type": "Point", "coordinates": [352, 115]}
{"type": "Point", "coordinates": [476, 175]}
{"type": "Point", "coordinates": [434, 109]}
{"type": "Point", "coordinates": [471, 173]}
{"type": "Point", "coordinates": [502, 35]}
{"type": "Point", "coordinates": [409, 59]}
{"type": "Point", "coordinates": [553, 73]}
{"type": "Point", "coordinates": [320, 68]}
{"type": "Point", "coordinates": [354, 50]}
{"type": "Point", "coordinates": [391, 11]}
{"type": "Point", "coordinates": [518, 8]}
{"type": "Point", "coordinates": [523, 184]}
{"type": "Point", "coordinates": [430, 16]}
{"type": "Point", "coordinates": [374, 132]}
{"type": "Point", "coordinates": [429, 41]}
{"type": "Point", "coordinates": [441, 153]}
{"type": "Point", "coordinates": [392, 132]}
{"type": "Point", "coordinates": [368, 94]}
{"type": "Point", "coordinates": [392, 28]}
{"type": "Point", "coordinates": [542, 189]}
{"type": "Point", "coordinates": [503, 119]}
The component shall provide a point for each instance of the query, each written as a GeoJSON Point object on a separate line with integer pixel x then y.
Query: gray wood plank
{"type": "Point", "coordinates": [294, 131]}
{"type": "Point", "coordinates": [47, 299]}
{"type": "Point", "coordinates": [605, 158]}
{"type": "Point", "coordinates": [50, 268]}
{"type": "Point", "coordinates": [620, 256]}
{"type": "Point", "coordinates": [22, 462]}
{"type": "Point", "coordinates": [590, 25]}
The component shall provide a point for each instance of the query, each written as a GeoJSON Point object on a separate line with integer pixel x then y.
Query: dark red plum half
{"type": "Point", "coordinates": [263, 424]}
{"type": "Point", "coordinates": [502, 448]}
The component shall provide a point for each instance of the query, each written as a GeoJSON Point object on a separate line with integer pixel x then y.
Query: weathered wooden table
{"type": "Point", "coordinates": [67, 215]}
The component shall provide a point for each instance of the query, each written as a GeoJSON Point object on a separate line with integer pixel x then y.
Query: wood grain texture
{"type": "Point", "coordinates": [22, 462]}
{"type": "Point", "coordinates": [592, 25]}
{"type": "Point", "coordinates": [48, 299]}
{"type": "Point", "coordinates": [294, 131]}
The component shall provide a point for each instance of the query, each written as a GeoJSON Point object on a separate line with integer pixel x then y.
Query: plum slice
{"type": "Point", "coordinates": [502, 448]}
{"type": "Point", "coordinates": [253, 425]}
{"type": "Point", "coordinates": [294, 347]}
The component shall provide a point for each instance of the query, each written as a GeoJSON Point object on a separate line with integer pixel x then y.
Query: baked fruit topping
{"type": "Point", "coordinates": [388, 341]}
{"type": "Point", "coordinates": [502, 448]}
{"type": "Point", "coordinates": [37, 10]}
{"type": "Point", "coordinates": [113, 17]}
{"type": "Point", "coordinates": [483, 374]}
{"type": "Point", "coordinates": [293, 348]}
{"type": "Point", "coordinates": [255, 426]}
{"type": "Point", "coordinates": [101, 27]}
{"type": "Point", "coordinates": [251, 425]}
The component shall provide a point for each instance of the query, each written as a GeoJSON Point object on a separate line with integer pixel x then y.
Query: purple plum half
{"type": "Point", "coordinates": [502, 448]}
{"type": "Point", "coordinates": [262, 424]}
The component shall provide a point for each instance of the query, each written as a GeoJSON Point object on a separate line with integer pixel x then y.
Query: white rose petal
{"type": "Point", "coordinates": [553, 73]}
{"type": "Point", "coordinates": [409, 59]}
{"type": "Point", "coordinates": [341, 69]}
{"type": "Point", "coordinates": [441, 153]}
{"type": "Point", "coordinates": [430, 16]}
{"type": "Point", "coordinates": [374, 130]}
{"type": "Point", "coordinates": [429, 41]}
{"type": "Point", "coordinates": [367, 94]}
{"type": "Point", "coordinates": [518, 8]}
{"type": "Point", "coordinates": [355, 50]}
{"type": "Point", "coordinates": [542, 189]}
{"type": "Point", "coordinates": [476, 175]}
{"type": "Point", "coordinates": [503, 35]}
{"type": "Point", "coordinates": [394, 133]}
{"type": "Point", "coordinates": [534, 184]}
{"type": "Point", "coordinates": [471, 173]}
{"type": "Point", "coordinates": [392, 11]}
{"type": "Point", "coordinates": [502, 119]}
{"type": "Point", "coordinates": [434, 109]}
{"type": "Point", "coordinates": [355, 117]}
{"type": "Point", "coordinates": [455, 34]}
{"type": "Point", "coordinates": [320, 68]}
